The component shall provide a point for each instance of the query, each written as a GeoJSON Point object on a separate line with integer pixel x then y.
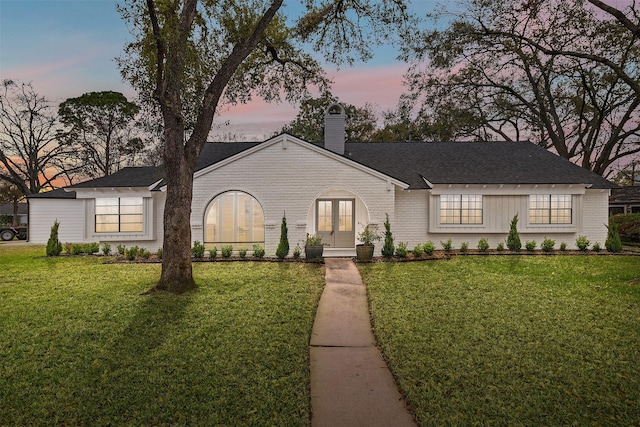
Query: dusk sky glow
{"type": "Point", "coordinates": [67, 47]}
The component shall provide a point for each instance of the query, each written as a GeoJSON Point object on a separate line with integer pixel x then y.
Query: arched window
{"type": "Point", "coordinates": [234, 218]}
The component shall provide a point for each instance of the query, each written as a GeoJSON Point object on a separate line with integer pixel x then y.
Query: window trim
{"type": "Point", "coordinates": [459, 210]}
{"type": "Point", "coordinates": [548, 210]}
{"type": "Point", "coordinates": [119, 215]}
{"type": "Point", "coordinates": [235, 207]}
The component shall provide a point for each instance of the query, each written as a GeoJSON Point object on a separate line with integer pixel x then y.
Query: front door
{"type": "Point", "coordinates": [336, 222]}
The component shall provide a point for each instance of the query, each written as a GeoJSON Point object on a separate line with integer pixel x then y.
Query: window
{"type": "Point", "coordinates": [119, 215]}
{"type": "Point", "coordinates": [460, 209]}
{"type": "Point", "coordinates": [234, 218]}
{"type": "Point", "coordinates": [550, 209]}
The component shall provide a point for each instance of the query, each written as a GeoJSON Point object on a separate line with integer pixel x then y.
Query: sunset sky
{"type": "Point", "coordinates": [67, 47]}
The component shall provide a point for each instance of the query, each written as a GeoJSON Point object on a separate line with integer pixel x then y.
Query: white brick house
{"type": "Point", "coordinates": [431, 191]}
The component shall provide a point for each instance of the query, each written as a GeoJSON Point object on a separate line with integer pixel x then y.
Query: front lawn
{"type": "Point", "coordinates": [79, 345]}
{"type": "Point", "coordinates": [517, 340]}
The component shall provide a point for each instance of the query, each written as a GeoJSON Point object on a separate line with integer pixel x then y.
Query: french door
{"type": "Point", "coordinates": [335, 219]}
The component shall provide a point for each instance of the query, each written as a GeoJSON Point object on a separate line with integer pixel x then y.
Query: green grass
{"type": "Point", "coordinates": [79, 345]}
{"type": "Point", "coordinates": [551, 340]}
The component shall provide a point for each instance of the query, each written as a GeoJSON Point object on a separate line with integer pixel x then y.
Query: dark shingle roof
{"type": "Point", "coordinates": [213, 152]}
{"type": "Point", "coordinates": [60, 193]}
{"type": "Point", "coordinates": [471, 163]}
{"type": "Point", "coordinates": [127, 177]}
{"type": "Point", "coordinates": [625, 194]}
{"type": "Point", "coordinates": [7, 209]}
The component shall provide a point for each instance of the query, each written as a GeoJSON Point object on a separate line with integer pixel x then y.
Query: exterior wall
{"type": "Point", "coordinates": [417, 217]}
{"type": "Point", "coordinates": [286, 178]}
{"type": "Point", "coordinates": [69, 213]}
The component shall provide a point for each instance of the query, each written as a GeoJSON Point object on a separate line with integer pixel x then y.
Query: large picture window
{"type": "Point", "coordinates": [550, 209]}
{"type": "Point", "coordinates": [119, 215]}
{"type": "Point", "coordinates": [234, 218]}
{"type": "Point", "coordinates": [461, 209]}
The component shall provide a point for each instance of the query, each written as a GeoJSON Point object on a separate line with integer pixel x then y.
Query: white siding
{"type": "Point", "coordinates": [287, 178]}
{"type": "Point", "coordinates": [69, 213]}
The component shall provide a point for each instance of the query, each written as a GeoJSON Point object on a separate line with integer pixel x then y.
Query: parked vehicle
{"type": "Point", "coordinates": [8, 232]}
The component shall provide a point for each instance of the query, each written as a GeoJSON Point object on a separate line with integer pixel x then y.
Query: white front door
{"type": "Point", "coordinates": [335, 219]}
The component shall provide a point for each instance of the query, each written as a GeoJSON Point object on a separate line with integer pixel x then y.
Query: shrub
{"type": "Point", "coordinates": [54, 247]}
{"type": "Point", "coordinates": [530, 245]}
{"type": "Point", "coordinates": [500, 247]}
{"type": "Point", "coordinates": [67, 248]}
{"type": "Point", "coordinates": [596, 247]}
{"type": "Point", "coordinates": [513, 240]}
{"type": "Point", "coordinates": [563, 246]}
{"type": "Point", "coordinates": [242, 252]}
{"type": "Point", "coordinates": [483, 245]}
{"type": "Point", "coordinates": [464, 247]}
{"type": "Point", "coordinates": [297, 251]}
{"type": "Point", "coordinates": [159, 253]}
{"type": "Point", "coordinates": [92, 248]}
{"type": "Point", "coordinates": [283, 247]}
{"type": "Point", "coordinates": [548, 244]}
{"type": "Point", "coordinates": [447, 246]}
{"type": "Point", "coordinates": [106, 249]}
{"type": "Point", "coordinates": [582, 243]}
{"type": "Point", "coordinates": [613, 242]}
{"type": "Point", "coordinates": [258, 251]}
{"type": "Point", "coordinates": [78, 249]}
{"type": "Point", "coordinates": [401, 250]}
{"type": "Point", "coordinates": [226, 251]}
{"type": "Point", "coordinates": [121, 249]}
{"type": "Point", "coordinates": [197, 250]}
{"type": "Point", "coordinates": [131, 253]}
{"type": "Point", "coordinates": [388, 249]}
{"type": "Point", "coordinates": [417, 251]}
{"type": "Point", "coordinates": [628, 226]}
{"type": "Point", "coordinates": [144, 253]}
{"type": "Point", "coordinates": [429, 247]}
{"type": "Point", "coordinates": [213, 253]}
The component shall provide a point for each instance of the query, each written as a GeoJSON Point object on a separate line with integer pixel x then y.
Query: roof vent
{"type": "Point", "coordinates": [334, 128]}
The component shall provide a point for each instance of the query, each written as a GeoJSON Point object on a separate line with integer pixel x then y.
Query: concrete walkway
{"type": "Point", "coordinates": [351, 384]}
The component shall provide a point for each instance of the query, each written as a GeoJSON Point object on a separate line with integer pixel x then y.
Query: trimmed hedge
{"type": "Point", "coordinates": [628, 226]}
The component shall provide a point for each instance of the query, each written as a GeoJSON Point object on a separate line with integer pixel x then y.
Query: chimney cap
{"type": "Point", "coordinates": [335, 108]}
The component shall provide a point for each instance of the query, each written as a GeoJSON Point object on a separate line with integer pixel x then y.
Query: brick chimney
{"type": "Point", "coordinates": [334, 128]}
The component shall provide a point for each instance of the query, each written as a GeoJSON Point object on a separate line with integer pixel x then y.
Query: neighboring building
{"type": "Point", "coordinates": [431, 191]}
{"type": "Point", "coordinates": [23, 212]}
{"type": "Point", "coordinates": [625, 200]}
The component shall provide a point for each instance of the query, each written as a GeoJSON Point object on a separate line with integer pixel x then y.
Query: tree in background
{"type": "Point", "coordinates": [31, 156]}
{"type": "Point", "coordinates": [189, 57]}
{"type": "Point", "coordinates": [10, 193]}
{"type": "Point", "coordinates": [309, 122]}
{"type": "Point", "coordinates": [555, 72]}
{"type": "Point", "coordinates": [100, 123]}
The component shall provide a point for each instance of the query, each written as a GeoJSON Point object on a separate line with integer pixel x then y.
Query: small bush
{"type": "Point", "coordinates": [283, 247]}
{"type": "Point", "coordinates": [428, 248]}
{"type": "Point", "coordinates": [197, 250]}
{"type": "Point", "coordinates": [447, 246]}
{"type": "Point", "coordinates": [77, 249]}
{"type": "Point", "coordinates": [500, 247]}
{"type": "Point", "coordinates": [159, 253]}
{"type": "Point", "coordinates": [388, 249]}
{"type": "Point", "coordinates": [106, 249]}
{"type": "Point", "coordinates": [121, 249]}
{"type": "Point", "coordinates": [258, 251]}
{"type": "Point", "coordinates": [563, 246]}
{"type": "Point", "coordinates": [297, 251]}
{"type": "Point", "coordinates": [144, 254]}
{"type": "Point", "coordinates": [242, 252]}
{"type": "Point", "coordinates": [548, 244]}
{"type": "Point", "coordinates": [54, 247]}
{"type": "Point", "coordinates": [513, 240]}
{"type": "Point", "coordinates": [67, 248]}
{"type": "Point", "coordinates": [531, 245]}
{"type": "Point", "coordinates": [92, 248]}
{"type": "Point", "coordinates": [131, 253]}
{"type": "Point", "coordinates": [401, 250]}
{"type": "Point", "coordinates": [582, 243]}
{"type": "Point", "coordinates": [628, 226]}
{"type": "Point", "coordinates": [213, 253]}
{"type": "Point", "coordinates": [227, 250]}
{"type": "Point", "coordinates": [464, 247]}
{"type": "Point", "coordinates": [596, 247]}
{"type": "Point", "coordinates": [417, 251]}
{"type": "Point", "coordinates": [613, 242]}
{"type": "Point", "coordinates": [483, 245]}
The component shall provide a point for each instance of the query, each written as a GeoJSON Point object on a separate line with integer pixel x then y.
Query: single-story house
{"type": "Point", "coordinates": [625, 200]}
{"type": "Point", "coordinates": [7, 210]}
{"type": "Point", "coordinates": [463, 191]}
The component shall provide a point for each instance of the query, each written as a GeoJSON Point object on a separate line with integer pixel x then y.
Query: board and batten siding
{"type": "Point", "coordinates": [286, 178]}
{"type": "Point", "coordinates": [70, 213]}
{"type": "Point", "coordinates": [417, 216]}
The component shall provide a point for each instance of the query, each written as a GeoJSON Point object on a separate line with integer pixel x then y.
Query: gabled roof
{"type": "Point", "coordinates": [471, 163]}
{"type": "Point", "coordinates": [60, 193]}
{"type": "Point", "coordinates": [625, 195]}
{"type": "Point", "coordinates": [417, 164]}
